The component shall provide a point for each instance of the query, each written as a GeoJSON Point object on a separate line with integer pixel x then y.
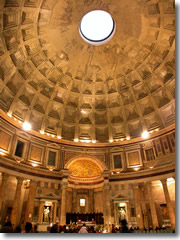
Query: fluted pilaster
{"type": "Point", "coordinates": [137, 198]}
{"type": "Point", "coordinates": [155, 221]}
{"type": "Point", "coordinates": [3, 195]}
{"type": "Point", "coordinates": [15, 218]}
{"type": "Point", "coordinates": [30, 202]}
{"type": "Point", "coordinates": [169, 203]}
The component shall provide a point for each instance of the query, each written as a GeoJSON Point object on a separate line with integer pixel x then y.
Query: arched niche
{"type": "Point", "coordinates": [85, 169]}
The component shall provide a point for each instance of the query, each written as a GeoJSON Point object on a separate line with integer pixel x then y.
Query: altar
{"type": "Point", "coordinates": [87, 218]}
{"type": "Point", "coordinates": [42, 227]}
{"type": "Point", "coordinates": [87, 223]}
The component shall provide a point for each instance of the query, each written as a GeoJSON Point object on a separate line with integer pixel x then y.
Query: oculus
{"type": "Point", "coordinates": [97, 27]}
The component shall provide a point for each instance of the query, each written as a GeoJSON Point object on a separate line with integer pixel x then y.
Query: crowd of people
{"type": "Point", "coordinates": [74, 228]}
{"type": "Point", "coordinates": [29, 228]}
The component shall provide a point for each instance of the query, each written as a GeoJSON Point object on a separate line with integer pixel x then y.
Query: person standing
{"type": "Point", "coordinates": [124, 228]}
{"type": "Point", "coordinates": [83, 229]}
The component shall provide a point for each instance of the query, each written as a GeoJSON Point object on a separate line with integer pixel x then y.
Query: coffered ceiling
{"type": "Point", "coordinates": [60, 84]}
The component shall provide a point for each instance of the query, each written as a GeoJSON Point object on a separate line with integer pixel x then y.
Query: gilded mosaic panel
{"type": "Point", "coordinates": [84, 169]}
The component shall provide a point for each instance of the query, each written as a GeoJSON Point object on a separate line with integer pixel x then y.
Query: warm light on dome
{"type": "Point", "coordinates": [97, 27]}
{"type": "Point", "coordinates": [85, 140]}
{"type": "Point", "coordinates": [2, 151]}
{"type": "Point", "coordinates": [145, 134]}
{"type": "Point", "coordinates": [34, 164]}
{"type": "Point", "coordinates": [83, 111]}
{"type": "Point", "coordinates": [170, 180]}
{"type": "Point", "coordinates": [27, 126]}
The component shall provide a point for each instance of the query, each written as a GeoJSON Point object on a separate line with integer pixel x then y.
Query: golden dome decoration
{"type": "Point", "coordinates": [84, 169]}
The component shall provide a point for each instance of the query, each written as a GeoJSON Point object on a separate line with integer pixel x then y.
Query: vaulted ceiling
{"type": "Point", "coordinates": [52, 78]}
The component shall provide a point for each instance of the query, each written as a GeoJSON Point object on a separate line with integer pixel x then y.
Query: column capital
{"type": "Point", "coordinates": [64, 185]}
{"type": "Point", "coordinates": [106, 174]}
{"type": "Point", "coordinates": [19, 180]}
{"type": "Point", "coordinates": [65, 173]}
{"type": "Point", "coordinates": [149, 184]}
{"type": "Point", "coordinates": [164, 181]}
{"type": "Point", "coordinates": [5, 175]}
{"type": "Point", "coordinates": [106, 185]}
{"type": "Point", "coordinates": [33, 183]}
{"type": "Point", "coordinates": [135, 186]}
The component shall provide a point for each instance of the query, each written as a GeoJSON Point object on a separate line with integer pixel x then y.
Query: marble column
{"type": "Point", "coordinates": [3, 194]}
{"type": "Point", "coordinates": [128, 212]}
{"type": "Point", "coordinates": [106, 205]}
{"type": "Point", "coordinates": [144, 208]}
{"type": "Point", "coordinates": [15, 218]}
{"type": "Point", "coordinates": [115, 213]}
{"type": "Point", "coordinates": [64, 185]}
{"type": "Point", "coordinates": [54, 212]}
{"type": "Point", "coordinates": [30, 202]}
{"type": "Point", "coordinates": [91, 201]}
{"type": "Point", "coordinates": [4, 180]}
{"type": "Point", "coordinates": [41, 208]}
{"type": "Point", "coordinates": [74, 200]}
{"type": "Point", "coordinates": [152, 206]}
{"type": "Point", "coordinates": [137, 198]}
{"type": "Point", "coordinates": [169, 203]}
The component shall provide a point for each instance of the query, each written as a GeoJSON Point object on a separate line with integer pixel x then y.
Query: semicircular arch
{"type": "Point", "coordinates": [93, 159]}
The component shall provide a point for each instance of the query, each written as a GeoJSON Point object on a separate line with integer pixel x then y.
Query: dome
{"type": "Point", "coordinates": [68, 88]}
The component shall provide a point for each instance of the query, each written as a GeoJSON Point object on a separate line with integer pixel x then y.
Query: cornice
{"type": "Point", "coordinates": [64, 143]}
{"type": "Point", "coordinates": [29, 172]}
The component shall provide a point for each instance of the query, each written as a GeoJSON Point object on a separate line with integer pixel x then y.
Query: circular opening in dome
{"type": "Point", "coordinates": [97, 27]}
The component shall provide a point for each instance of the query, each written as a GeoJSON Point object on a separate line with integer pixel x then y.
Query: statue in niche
{"type": "Point", "coordinates": [46, 214]}
{"type": "Point", "coordinates": [122, 213]}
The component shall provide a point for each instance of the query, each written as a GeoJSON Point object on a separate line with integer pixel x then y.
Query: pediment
{"type": "Point", "coordinates": [50, 195]}
{"type": "Point", "coordinates": [24, 135]}
{"type": "Point", "coordinates": [53, 145]}
{"type": "Point", "coordinates": [119, 197]}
